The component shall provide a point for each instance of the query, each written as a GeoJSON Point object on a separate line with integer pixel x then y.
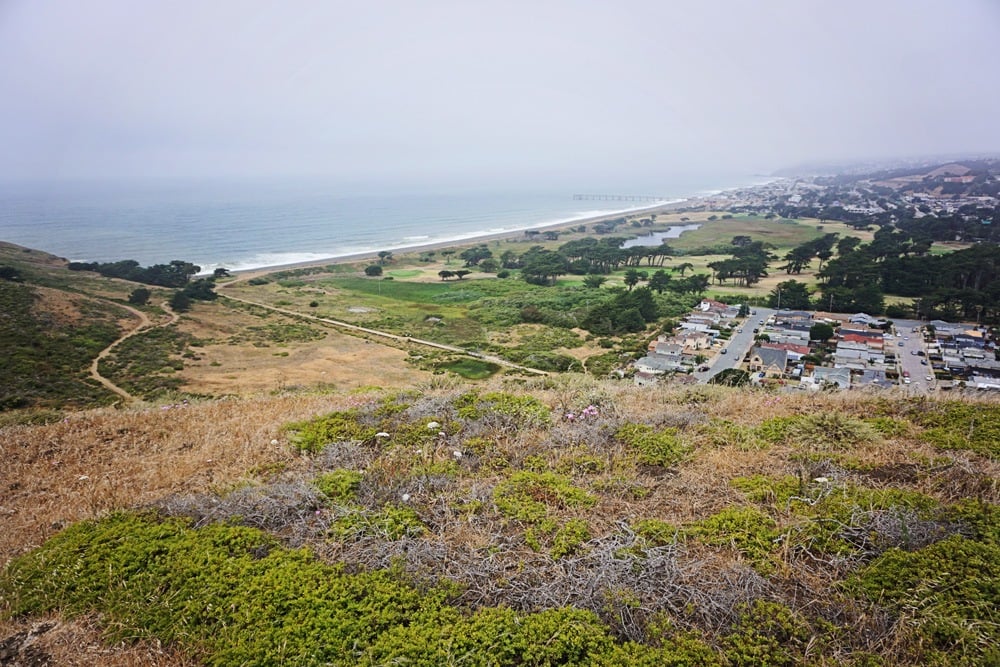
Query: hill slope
{"type": "Point", "coordinates": [684, 525]}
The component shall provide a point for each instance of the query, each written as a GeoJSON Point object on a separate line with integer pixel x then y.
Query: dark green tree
{"type": "Point", "coordinates": [659, 281]}
{"type": "Point", "coordinates": [476, 254]}
{"type": "Point", "coordinates": [542, 267]}
{"type": "Point", "coordinates": [821, 331]}
{"type": "Point", "coordinates": [373, 270]}
{"type": "Point", "coordinates": [180, 302]}
{"type": "Point", "coordinates": [789, 295]}
{"type": "Point", "coordinates": [139, 296]}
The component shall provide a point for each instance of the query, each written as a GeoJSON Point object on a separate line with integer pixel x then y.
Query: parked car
{"type": "Point", "coordinates": [725, 350]}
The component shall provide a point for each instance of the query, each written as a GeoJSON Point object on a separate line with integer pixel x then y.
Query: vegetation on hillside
{"type": "Point", "coordinates": [558, 522]}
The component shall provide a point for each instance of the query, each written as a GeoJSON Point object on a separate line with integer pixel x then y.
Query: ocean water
{"type": "Point", "coordinates": [242, 227]}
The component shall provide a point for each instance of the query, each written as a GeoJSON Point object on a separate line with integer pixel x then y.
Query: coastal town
{"type": "Point", "coordinates": [803, 349]}
{"type": "Point", "coordinates": [811, 351]}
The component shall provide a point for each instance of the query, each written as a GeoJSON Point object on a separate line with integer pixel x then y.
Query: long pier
{"type": "Point", "coordinates": [619, 197]}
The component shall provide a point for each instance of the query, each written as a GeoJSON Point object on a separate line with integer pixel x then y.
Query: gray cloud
{"type": "Point", "coordinates": [536, 92]}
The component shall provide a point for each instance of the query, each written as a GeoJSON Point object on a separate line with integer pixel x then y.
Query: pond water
{"type": "Point", "coordinates": [656, 238]}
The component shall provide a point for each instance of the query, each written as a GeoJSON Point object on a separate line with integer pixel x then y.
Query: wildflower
{"type": "Point", "coordinates": [381, 434]}
{"type": "Point", "coordinates": [405, 497]}
{"type": "Point", "coordinates": [570, 416]}
{"type": "Point", "coordinates": [457, 454]}
{"type": "Point", "coordinates": [83, 477]}
{"type": "Point", "coordinates": [821, 480]}
{"type": "Point", "coordinates": [274, 441]}
{"type": "Point", "coordinates": [433, 426]}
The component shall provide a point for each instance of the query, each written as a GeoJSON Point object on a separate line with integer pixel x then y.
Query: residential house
{"type": "Point", "coordinates": [873, 377]}
{"type": "Point", "coordinates": [769, 361]}
{"type": "Point", "coordinates": [795, 352]}
{"type": "Point", "coordinates": [656, 365]}
{"type": "Point", "coordinates": [838, 376]}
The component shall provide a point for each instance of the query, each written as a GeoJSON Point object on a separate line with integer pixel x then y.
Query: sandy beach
{"type": "Point", "coordinates": [669, 207]}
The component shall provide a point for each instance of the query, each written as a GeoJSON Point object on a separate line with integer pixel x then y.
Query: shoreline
{"type": "Point", "coordinates": [663, 207]}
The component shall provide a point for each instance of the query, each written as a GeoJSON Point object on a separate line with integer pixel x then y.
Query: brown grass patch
{"type": "Point", "coordinates": [339, 360]}
{"type": "Point", "coordinates": [100, 461]}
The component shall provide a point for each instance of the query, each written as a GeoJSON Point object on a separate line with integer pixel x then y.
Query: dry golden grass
{"type": "Point", "coordinates": [99, 461]}
{"type": "Point", "coordinates": [339, 361]}
{"type": "Point", "coordinates": [79, 643]}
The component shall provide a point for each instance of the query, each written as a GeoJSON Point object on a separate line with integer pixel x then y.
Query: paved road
{"type": "Point", "coordinates": [906, 345]}
{"type": "Point", "coordinates": [737, 346]}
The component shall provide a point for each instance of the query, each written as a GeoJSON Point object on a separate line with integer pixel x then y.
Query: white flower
{"type": "Point", "coordinates": [457, 454]}
{"type": "Point", "coordinates": [274, 442]}
{"type": "Point", "coordinates": [433, 426]}
{"type": "Point", "coordinates": [381, 434]}
{"type": "Point", "coordinates": [821, 480]}
{"type": "Point", "coordinates": [83, 477]}
{"type": "Point", "coordinates": [405, 497]}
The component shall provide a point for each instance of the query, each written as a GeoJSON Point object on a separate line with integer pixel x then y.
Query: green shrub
{"type": "Point", "coordinates": [823, 431]}
{"type": "Point", "coordinates": [946, 595]}
{"type": "Point", "coordinates": [659, 447]}
{"type": "Point", "coordinates": [232, 596]}
{"type": "Point", "coordinates": [339, 486]}
{"type": "Point", "coordinates": [837, 518]}
{"type": "Point", "coordinates": [955, 425]}
{"type": "Point", "coordinates": [656, 532]}
{"type": "Point", "coordinates": [523, 410]}
{"type": "Point", "coordinates": [568, 538]}
{"type": "Point", "coordinates": [528, 496]}
{"type": "Point", "coordinates": [724, 433]}
{"type": "Point", "coordinates": [746, 529]}
{"type": "Point", "coordinates": [767, 633]}
{"type": "Point", "coordinates": [392, 522]}
{"type": "Point", "coordinates": [314, 435]}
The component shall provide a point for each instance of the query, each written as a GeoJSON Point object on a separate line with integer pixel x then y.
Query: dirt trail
{"type": "Point", "coordinates": [144, 323]}
{"type": "Point", "coordinates": [391, 336]}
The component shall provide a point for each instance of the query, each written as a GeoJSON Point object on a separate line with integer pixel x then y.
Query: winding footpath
{"type": "Point", "coordinates": [144, 324]}
{"type": "Point", "coordinates": [391, 336]}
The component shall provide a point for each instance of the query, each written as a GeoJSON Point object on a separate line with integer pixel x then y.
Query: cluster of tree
{"type": "Point", "coordinates": [202, 289]}
{"type": "Point", "coordinates": [961, 285]}
{"type": "Point", "coordinates": [747, 265]}
{"type": "Point", "coordinates": [623, 312]}
{"type": "Point", "coordinates": [175, 274]}
{"type": "Point", "coordinates": [461, 273]}
{"type": "Point", "coordinates": [802, 255]}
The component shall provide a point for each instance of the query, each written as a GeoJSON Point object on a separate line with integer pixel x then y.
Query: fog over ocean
{"type": "Point", "coordinates": [250, 226]}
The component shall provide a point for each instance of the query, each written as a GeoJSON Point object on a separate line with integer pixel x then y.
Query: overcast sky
{"type": "Point", "coordinates": [509, 92]}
